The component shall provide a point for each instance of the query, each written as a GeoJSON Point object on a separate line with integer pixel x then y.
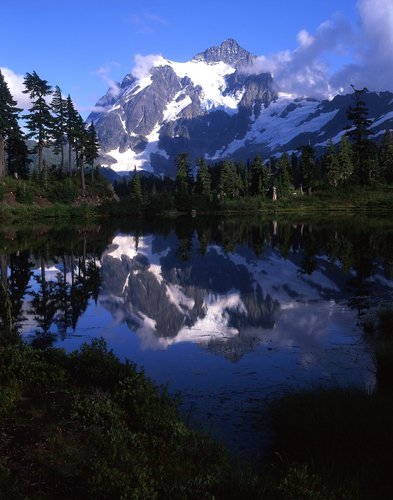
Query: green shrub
{"type": "Point", "coordinates": [24, 194]}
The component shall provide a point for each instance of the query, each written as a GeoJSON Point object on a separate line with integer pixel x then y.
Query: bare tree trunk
{"type": "Point", "coordinates": [2, 162]}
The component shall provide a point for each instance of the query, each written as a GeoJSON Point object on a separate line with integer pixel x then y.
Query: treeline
{"type": "Point", "coordinates": [51, 122]}
{"type": "Point", "coordinates": [355, 160]}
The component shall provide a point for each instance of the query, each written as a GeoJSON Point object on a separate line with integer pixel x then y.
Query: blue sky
{"type": "Point", "coordinates": [83, 45]}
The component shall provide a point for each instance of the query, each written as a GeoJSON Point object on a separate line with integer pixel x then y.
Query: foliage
{"type": "Point", "coordinates": [358, 133]}
{"type": "Point", "coordinates": [86, 424]}
{"type": "Point", "coordinates": [39, 119]}
{"type": "Point", "coordinates": [59, 109]}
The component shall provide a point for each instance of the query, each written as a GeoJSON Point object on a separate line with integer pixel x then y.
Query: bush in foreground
{"type": "Point", "coordinates": [87, 425]}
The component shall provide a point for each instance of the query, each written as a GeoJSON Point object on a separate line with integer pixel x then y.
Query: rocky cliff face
{"type": "Point", "coordinates": [213, 107]}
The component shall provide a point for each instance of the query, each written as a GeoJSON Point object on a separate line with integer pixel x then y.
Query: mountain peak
{"type": "Point", "coordinates": [229, 52]}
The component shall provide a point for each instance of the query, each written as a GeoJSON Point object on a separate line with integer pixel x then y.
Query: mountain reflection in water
{"type": "Point", "coordinates": [230, 312]}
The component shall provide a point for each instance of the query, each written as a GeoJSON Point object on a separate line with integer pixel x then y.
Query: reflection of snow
{"type": "Point", "coordinates": [278, 277]}
{"type": "Point", "coordinates": [178, 298]}
{"type": "Point", "coordinates": [320, 336]}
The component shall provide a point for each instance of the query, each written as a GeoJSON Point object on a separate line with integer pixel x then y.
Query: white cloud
{"type": "Point", "coordinates": [307, 69]}
{"type": "Point", "coordinates": [304, 38]}
{"type": "Point", "coordinates": [143, 64]}
{"type": "Point", "coordinates": [16, 86]}
{"type": "Point", "coordinates": [304, 70]}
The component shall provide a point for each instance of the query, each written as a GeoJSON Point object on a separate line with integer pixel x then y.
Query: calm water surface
{"type": "Point", "coordinates": [230, 313]}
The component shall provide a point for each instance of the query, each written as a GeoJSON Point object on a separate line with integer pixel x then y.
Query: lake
{"type": "Point", "coordinates": [230, 312]}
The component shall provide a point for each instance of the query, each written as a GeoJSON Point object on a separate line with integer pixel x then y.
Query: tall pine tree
{"type": "Point", "coordinates": [230, 182]}
{"type": "Point", "coordinates": [308, 168]}
{"type": "Point", "coordinates": [259, 177]}
{"type": "Point", "coordinates": [345, 158]}
{"type": "Point", "coordinates": [283, 176]}
{"type": "Point", "coordinates": [332, 165]}
{"type": "Point", "coordinates": [81, 139]}
{"type": "Point", "coordinates": [92, 147]}
{"type": "Point", "coordinates": [203, 179]}
{"type": "Point", "coordinates": [183, 182]}
{"type": "Point", "coordinates": [358, 133]}
{"type": "Point", "coordinates": [8, 120]}
{"type": "Point", "coordinates": [39, 118]}
{"type": "Point", "coordinates": [59, 109]}
{"type": "Point", "coordinates": [71, 127]}
{"type": "Point", "coordinates": [18, 154]}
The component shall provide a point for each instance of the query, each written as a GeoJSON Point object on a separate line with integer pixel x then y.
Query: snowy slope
{"type": "Point", "coordinates": [210, 107]}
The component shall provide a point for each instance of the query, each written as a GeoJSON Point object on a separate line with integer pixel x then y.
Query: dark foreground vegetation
{"type": "Point", "coordinates": [87, 425]}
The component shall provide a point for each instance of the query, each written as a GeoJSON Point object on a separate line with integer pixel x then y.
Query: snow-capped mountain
{"type": "Point", "coordinates": [214, 106]}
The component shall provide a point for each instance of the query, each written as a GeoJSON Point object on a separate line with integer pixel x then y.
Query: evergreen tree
{"type": "Point", "coordinates": [307, 168]}
{"type": "Point", "coordinates": [18, 154]}
{"type": "Point", "coordinates": [81, 139]}
{"type": "Point", "coordinates": [183, 175]}
{"type": "Point", "coordinates": [183, 183]}
{"type": "Point", "coordinates": [358, 134]}
{"type": "Point", "coordinates": [8, 120]}
{"type": "Point", "coordinates": [71, 126]}
{"type": "Point", "coordinates": [230, 182]}
{"type": "Point", "coordinates": [92, 146]}
{"type": "Point", "coordinates": [136, 188]}
{"type": "Point", "coordinates": [259, 177]}
{"type": "Point", "coordinates": [39, 118]}
{"type": "Point", "coordinates": [345, 155]}
{"type": "Point", "coordinates": [332, 165]}
{"type": "Point", "coordinates": [283, 176]}
{"type": "Point", "coordinates": [59, 109]}
{"type": "Point", "coordinates": [203, 179]}
{"type": "Point", "coordinates": [386, 156]}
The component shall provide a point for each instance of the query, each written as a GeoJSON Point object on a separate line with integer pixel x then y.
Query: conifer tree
{"type": "Point", "coordinates": [345, 155]}
{"type": "Point", "coordinates": [18, 154]}
{"type": "Point", "coordinates": [283, 177]}
{"type": "Point", "coordinates": [259, 177]}
{"type": "Point", "coordinates": [307, 167]}
{"type": "Point", "coordinates": [332, 166]}
{"type": "Point", "coordinates": [230, 182]}
{"type": "Point", "coordinates": [39, 118]}
{"type": "Point", "coordinates": [358, 133]}
{"type": "Point", "coordinates": [386, 156]}
{"type": "Point", "coordinates": [136, 188]}
{"type": "Point", "coordinates": [183, 182]}
{"type": "Point", "coordinates": [8, 119]}
{"type": "Point", "coordinates": [71, 126]}
{"type": "Point", "coordinates": [203, 178]}
{"type": "Point", "coordinates": [183, 175]}
{"type": "Point", "coordinates": [81, 139]}
{"type": "Point", "coordinates": [59, 109]}
{"type": "Point", "coordinates": [92, 146]}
